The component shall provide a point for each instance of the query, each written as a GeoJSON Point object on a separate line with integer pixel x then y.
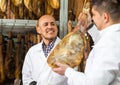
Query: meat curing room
{"type": "Point", "coordinates": [59, 42]}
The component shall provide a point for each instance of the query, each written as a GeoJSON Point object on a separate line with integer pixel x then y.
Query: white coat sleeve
{"type": "Point", "coordinates": [27, 70]}
{"type": "Point", "coordinates": [102, 71]}
{"type": "Point", "coordinates": [105, 65]}
{"type": "Point", "coordinates": [74, 77]}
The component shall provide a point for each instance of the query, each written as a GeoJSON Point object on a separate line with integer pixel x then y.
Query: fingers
{"type": "Point", "coordinates": [84, 20]}
{"type": "Point", "coordinates": [60, 65]}
{"type": "Point", "coordinates": [61, 68]}
{"type": "Point", "coordinates": [80, 15]}
{"type": "Point", "coordinates": [69, 24]}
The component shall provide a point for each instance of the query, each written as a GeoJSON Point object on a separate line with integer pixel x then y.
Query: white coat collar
{"type": "Point", "coordinates": [114, 27]}
{"type": "Point", "coordinates": [38, 47]}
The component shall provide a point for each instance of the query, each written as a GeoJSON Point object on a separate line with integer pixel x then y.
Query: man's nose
{"type": "Point", "coordinates": [49, 25]}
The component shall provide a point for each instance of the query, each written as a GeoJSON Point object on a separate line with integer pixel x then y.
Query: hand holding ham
{"type": "Point", "coordinates": [61, 68]}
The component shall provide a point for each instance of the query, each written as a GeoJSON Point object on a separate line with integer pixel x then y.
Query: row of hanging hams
{"type": "Point", "coordinates": [33, 9]}
{"type": "Point", "coordinates": [13, 48]}
{"type": "Point", "coordinates": [27, 9]}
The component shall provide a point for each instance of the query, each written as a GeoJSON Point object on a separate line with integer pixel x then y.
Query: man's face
{"type": "Point", "coordinates": [97, 18]}
{"type": "Point", "coordinates": [47, 27]}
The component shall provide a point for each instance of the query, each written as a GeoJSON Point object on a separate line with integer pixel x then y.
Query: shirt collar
{"type": "Point", "coordinates": [111, 28]}
{"type": "Point", "coordinates": [47, 49]}
{"type": "Point", "coordinates": [52, 43]}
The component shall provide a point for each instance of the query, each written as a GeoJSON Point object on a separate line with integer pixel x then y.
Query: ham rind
{"type": "Point", "coordinates": [68, 51]}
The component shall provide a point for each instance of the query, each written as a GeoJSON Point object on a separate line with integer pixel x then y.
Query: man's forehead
{"type": "Point", "coordinates": [47, 20]}
{"type": "Point", "coordinates": [46, 17]}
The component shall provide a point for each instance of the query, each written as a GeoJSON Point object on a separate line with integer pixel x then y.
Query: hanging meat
{"type": "Point", "coordinates": [69, 51]}
{"type": "Point", "coordinates": [88, 42]}
{"type": "Point", "coordinates": [21, 11]}
{"type": "Point", "coordinates": [71, 15]}
{"type": "Point", "coordinates": [17, 8]}
{"type": "Point", "coordinates": [2, 14]}
{"type": "Point", "coordinates": [78, 6]}
{"type": "Point", "coordinates": [73, 48]}
{"type": "Point", "coordinates": [37, 7]}
{"type": "Point", "coordinates": [28, 4]}
{"type": "Point", "coordinates": [11, 10]}
{"type": "Point", "coordinates": [17, 58]}
{"type": "Point", "coordinates": [50, 5]}
{"type": "Point", "coordinates": [26, 43]}
{"type": "Point", "coordinates": [17, 2]}
{"type": "Point", "coordinates": [48, 9]}
{"type": "Point", "coordinates": [2, 75]}
{"type": "Point", "coordinates": [14, 11]}
{"type": "Point", "coordinates": [3, 5]}
{"type": "Point", "coordinates": [18, 61]}
{"type": "Point", "coordinates": [55, 4]}
{"type": "Point", "coordinates": [9, 59]}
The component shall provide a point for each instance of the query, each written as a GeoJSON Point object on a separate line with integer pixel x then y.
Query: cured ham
{"type": "Point", "coordinates": [54, 3]}
{"type": "Point", "coordinates": [2, 75]}
{"type": "Point", "coordinates": [3, 5]}
{"type": "Point", "coordinates": [17, 2]}
{"type": "Point", "coordinates": [9, 59]}
{"type": "Point", "coordinates": [69, 51]}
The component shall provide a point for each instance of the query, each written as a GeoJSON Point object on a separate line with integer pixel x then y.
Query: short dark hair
{"type": "Point", "coordinates": [112, 7]}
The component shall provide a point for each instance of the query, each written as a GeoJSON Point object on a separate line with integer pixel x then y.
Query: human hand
{"type": "Point", "coordinates": [84, 20]}
{"type": "Point", "coordinates": [61, 68]}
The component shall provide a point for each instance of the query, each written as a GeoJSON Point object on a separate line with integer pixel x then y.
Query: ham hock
{"type": "Point", "coordinates": [68, 51]}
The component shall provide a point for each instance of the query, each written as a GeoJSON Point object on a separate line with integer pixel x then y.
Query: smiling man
{"type": "Point", "coordinates": [35, 69]}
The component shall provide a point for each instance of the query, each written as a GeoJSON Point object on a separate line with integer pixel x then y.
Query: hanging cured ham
{"type": "Point", "coordinates": [9, 59]}
{"type": "Point", "coordinates": [16, 2]}
{"type": "Point", "coordinates": [54, 3]}
{"type": "Point", "coordinates": [78, 6]}
{"type": "Point", "coordinates": [69, 51]}
{"type": "Point", "coordinates": [50, 5]}
{"type": "Point", "coordinates": [3, 4]}
{"type": "Point", "coordinates": [28, 4]}
{"type": "Point", "coordinates": [2, 75]}
{"type": "Point", "coordinates": [73, 48]}
{"type": "Point", "coordinates": [37, 7]}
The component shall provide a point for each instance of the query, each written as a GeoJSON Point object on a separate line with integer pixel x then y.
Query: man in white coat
{"type": "Point", "coordinates": [103, 63]}
{"type": "Point", "coordinates": [35, 68]}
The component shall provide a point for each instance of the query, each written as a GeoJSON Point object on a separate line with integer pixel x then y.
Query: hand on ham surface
{"type": "Point", "coordinates": [61, 68]}
{"type": "Point", "coordinates": [68, 51]}
{"type": "Point", "coordinates": [84, 20]}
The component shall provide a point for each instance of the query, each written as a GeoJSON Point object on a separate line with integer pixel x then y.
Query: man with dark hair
{"type": "Point", "coordinates": [103, 63]}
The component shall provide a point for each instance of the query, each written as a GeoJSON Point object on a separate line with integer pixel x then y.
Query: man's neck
{"type": "Point", "coordinates": [47, 42]}
{"type": "Point", "coordinates": [108, 24]}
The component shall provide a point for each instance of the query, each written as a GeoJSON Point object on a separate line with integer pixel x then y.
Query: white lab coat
{"type": "Point", "coordinates": [94, 32]}
{"type": "Point", "coordinates": [103, 63]}
{"type": "Point", "coordinates": [35, 68]}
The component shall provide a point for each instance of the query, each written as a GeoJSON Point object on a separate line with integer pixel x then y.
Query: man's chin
{"type": "Point", "coordinates": [50, 38]}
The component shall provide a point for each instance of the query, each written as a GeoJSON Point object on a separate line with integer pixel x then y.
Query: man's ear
{"type": "Point", "coordinates": [106, 18]}
{"type": "Point", "coordinates": [37, 28]}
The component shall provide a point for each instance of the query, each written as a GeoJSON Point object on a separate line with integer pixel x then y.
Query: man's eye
{"type": "Point", "coordinates": [53, 24]}
{"type": "Point", "coordinates": [45, 24]}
